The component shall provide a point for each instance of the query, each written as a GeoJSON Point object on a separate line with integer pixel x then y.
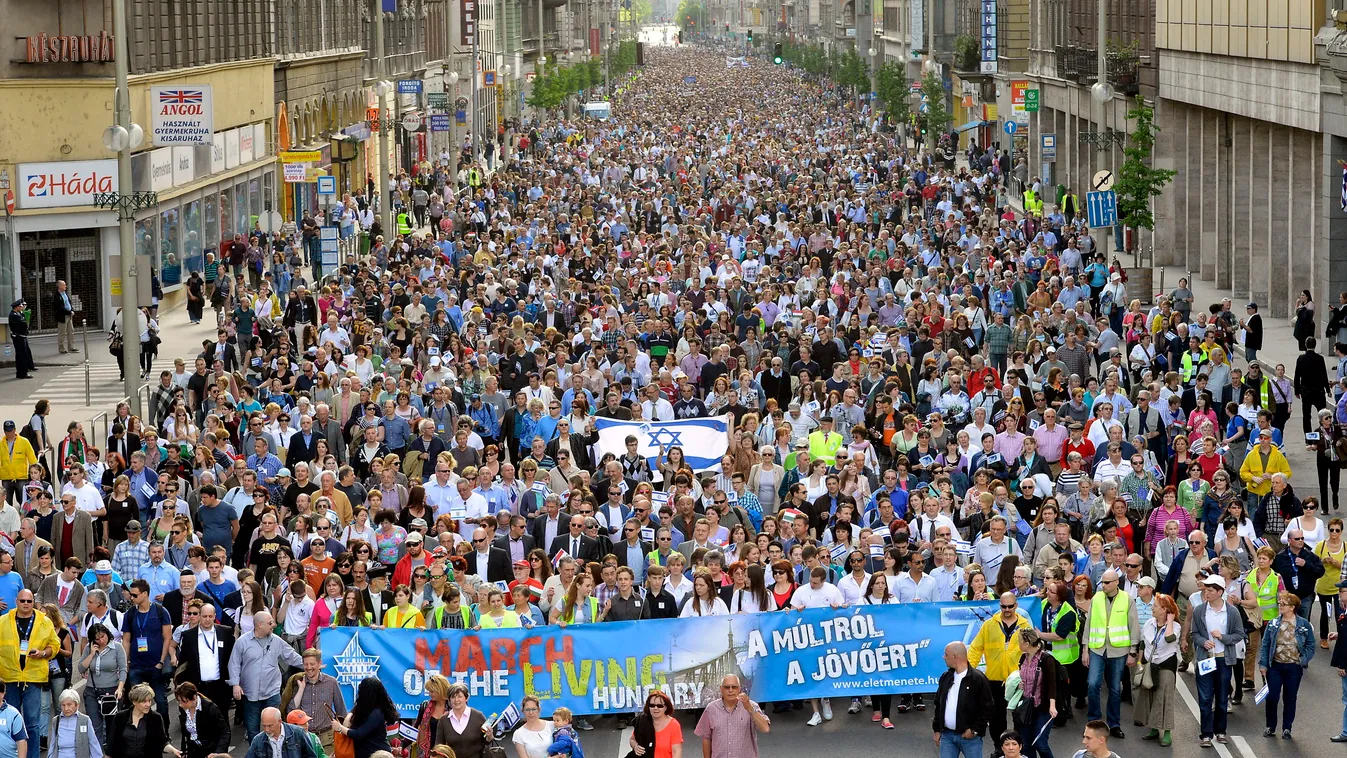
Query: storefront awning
{"type": "Point", "coordinates": [969, 125]}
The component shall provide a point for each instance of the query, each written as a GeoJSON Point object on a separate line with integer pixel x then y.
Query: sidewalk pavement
{"type": "Point", "coordinates": [61, 379]}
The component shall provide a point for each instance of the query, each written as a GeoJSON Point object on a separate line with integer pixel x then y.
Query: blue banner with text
{"type": "Point", "coordinates": [609, 668]}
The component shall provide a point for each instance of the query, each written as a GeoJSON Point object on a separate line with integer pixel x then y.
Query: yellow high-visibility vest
{"type": "Point", "coordinates": [1116, 632]}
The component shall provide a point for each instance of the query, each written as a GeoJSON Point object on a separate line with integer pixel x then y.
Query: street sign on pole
{"type": "Point", "coordinates": [1102, 208]}
{"type": "Point", "coordinates": [327, 185]}
{"type": "Point", "coordinates": [1031, 101]}
{"type": "Point", "coordinates": [1049, 147]}
{"type": "Point", "coordinates": [1103, 181]}
{"type": "Point", "coordinates": [1010, 128]}
{"type": "Point", "coordinates": [409, 86]}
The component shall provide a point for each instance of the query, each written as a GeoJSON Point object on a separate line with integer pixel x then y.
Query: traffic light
{"type": "Point", "coordinates": [776, 53]}
{"type": "Point", "coordinates": [750, 36]}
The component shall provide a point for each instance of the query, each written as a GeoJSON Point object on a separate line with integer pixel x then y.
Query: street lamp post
{"type": "Point", "coordinates": [381, 89]}
{"type": "Point", "coordinates": [122, 138]}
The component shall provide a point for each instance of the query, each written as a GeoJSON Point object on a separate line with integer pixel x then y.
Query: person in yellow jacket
{"type": "Point", "coordinates": [1113, 637]}
{"type": "Point", "coordinates": [998, 643]}
{"type": "Point", "coordinates": [1259, 466]}
{"type": "Point", "coordinates": [824, 442]}
{"type": "Point", "coordinates": [27, 643]}
{"type": "Point", "coordinates": [16, 455]}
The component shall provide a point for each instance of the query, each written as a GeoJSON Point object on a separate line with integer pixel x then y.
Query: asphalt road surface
{"type": "Point", "coordinates": [1319, 717]}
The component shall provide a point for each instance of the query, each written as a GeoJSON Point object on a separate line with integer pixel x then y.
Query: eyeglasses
{"type": "Point", "coordinates": [1007, 607]}
{"type": "Point", "coordinates": [177, 532]}
{"type": "Point", "coordinates": [1335, 531]}
{"type": "Point", "coordinates": [655, 704]}
{"type": "Point", "coordinates": [193, 614]}
{"type": "Point", "coordinates": [479, 539]}
{"type": "Point", "coordinates": [1194, 542]}
{"type": "Point", "coordinates": [665, 539]}
{"type": "Point", "coordinates": [1134, 565]}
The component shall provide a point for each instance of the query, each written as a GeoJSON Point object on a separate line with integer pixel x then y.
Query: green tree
{"type": "Point", "coordinates": [690, 16]}
{"type": "Point", "coordinates": [1138, 181]}
{"type": "Point", "coordinates": [892, 87]}
{"type": "Point", "coordinates": [937, 113]}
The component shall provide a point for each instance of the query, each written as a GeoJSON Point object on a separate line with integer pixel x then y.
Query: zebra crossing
{"type": "Point", "coordinates": [67, 388]}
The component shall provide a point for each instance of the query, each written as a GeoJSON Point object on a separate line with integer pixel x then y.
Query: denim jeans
{"type": "Point", "coordinates": [1283, 683]}
{"type": "Point", "coordinates": [952, 744]}
{"type": "Point", "coordinates": [27, 699]}
{"type": "Point", "coordinates": [252, 714]}
{"type": "Point", "coordinates": [1344, 704]}
{"type": "Point", "coordinates": [154, 678]}
{"type": "Point", "coordinates": [1036, 738]}
{"type": "Point", "coordinates": [1106, 670]}
{"type": "Point", "coordinates": [1212, 700]}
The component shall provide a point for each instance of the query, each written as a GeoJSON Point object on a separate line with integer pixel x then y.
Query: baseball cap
{"type": "Point", "coordinates": [415, 537]}
{"type": "Point", "coordinates": [103, 568]}
{"type": "Point", "coordinates": [297, 717]}
{"type": "Point", "coordinates": [1146, 581]}
{"type": "Point", "coordinates": [439, 552]}
{"type": "Point", "coordinates": [521, 564]}
{"type": "Point", "coordinates": [283, 472]}
{"type": "Point", "coordinates": [9, 425]}
{"type": "Point", "coordinates": [419, 523]}
{"type": "Point", "coordinates": [1215, 580]}
{"type": "Point", "coordinates": [133, 526]}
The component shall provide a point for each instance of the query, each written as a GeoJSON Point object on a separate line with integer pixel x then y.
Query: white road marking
{"type": "Point", "coordinates": [1191, 702]}
{"type": "Point", "coordinates": [1244, 747]}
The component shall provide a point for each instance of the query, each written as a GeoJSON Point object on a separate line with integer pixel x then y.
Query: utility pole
{"type": "Point", "coordinates": [476, 80]}
{"type": "Point", "coordinates": [605, 35]}
{"type": "Point", "coordinates": [126, 219]}
{"type": "Point", "coordinates": [381, 89]}
{"type": "Point", "coordinates": [1102, 94]}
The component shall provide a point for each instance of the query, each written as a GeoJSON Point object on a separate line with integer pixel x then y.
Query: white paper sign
{"type": "Point", "coordinates": [182, 115]}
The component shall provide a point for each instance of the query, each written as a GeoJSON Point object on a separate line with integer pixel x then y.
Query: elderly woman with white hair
{"type": "Point", "coordinates": [72, 734]}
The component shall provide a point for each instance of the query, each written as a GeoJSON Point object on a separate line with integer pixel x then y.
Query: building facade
{"type": "Point", "coordinates": [54, 107]}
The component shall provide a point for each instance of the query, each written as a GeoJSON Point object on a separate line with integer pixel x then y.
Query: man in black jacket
{"type": "Point", "coordinates": [217, 642]}
{"type": "Point", "coordinates": [1311, 382]}
{"type": "Point", "coordinates": [972, 706]}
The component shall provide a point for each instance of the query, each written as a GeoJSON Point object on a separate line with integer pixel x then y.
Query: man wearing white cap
{"type": "Point", "coordinates": [1217, 632]}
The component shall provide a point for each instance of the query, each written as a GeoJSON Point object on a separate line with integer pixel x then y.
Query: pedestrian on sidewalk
{"type": "Point", "coordinates": [18, 331]}
{"type": "Point", "coordinates": [65, 319]}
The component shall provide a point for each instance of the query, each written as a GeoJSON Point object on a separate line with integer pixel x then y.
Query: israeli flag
{"type": "Point", "coordinates": [703, 440]}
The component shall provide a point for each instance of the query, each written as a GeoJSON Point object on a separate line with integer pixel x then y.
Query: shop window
{"type": "Point", "coordinates": [170, 256]}
{"type": "Point", "coordinates": [226, 214]}
{"type": "Point", "coordinates": [210, 215]}
{"type": "Point", "coordinates": [241, 223]}
{"type": "Point", "coordinates": [145, 230]}
{"type": "Point", "coordinates": [255, 198]}
{"type": "Point", "coordinates": [193, 244]}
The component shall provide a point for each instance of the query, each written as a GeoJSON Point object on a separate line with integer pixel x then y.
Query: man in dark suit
{"type": "Point", "coordinates": [550, 523]}
{"type": "Point", "coordinates": [486, 560]}
{"type": "Point", "coordinates": [199, 646]}
{"type": "Point", "coordinates": [304, 444]}
{"type": "Point", "coordinates": [1253, 332]}
{"type": "Point", "coordinates": [64, 309]}
{"type": "Point", "coordinates": [551, 317]}
{"type": "Point", "coordinates": [631, 550]}
{"type": "Point", "coordinates": [176, 601]}
{"type": "Point", "coordinates": [576, 544]}
{"type": "Point", "coordinates": [517, 542]}
{"type": "Point", "coordinates": [1311, 382]}
{"type": "Point", "coordinates": [221, 350]}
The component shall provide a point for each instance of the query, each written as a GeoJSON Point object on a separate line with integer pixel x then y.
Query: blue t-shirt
{"type": "Point", "coordinates": [12, 730]}
{"type": "Point", "coordinates": [10, 584]}
{"type": "Point", "coordinates": [216, 524]}
{"type": "Point", "coordinates": [145, 630]}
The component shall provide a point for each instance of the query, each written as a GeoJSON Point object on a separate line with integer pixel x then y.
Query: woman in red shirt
{"type": "Point", "coordinates": [656, 733]}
